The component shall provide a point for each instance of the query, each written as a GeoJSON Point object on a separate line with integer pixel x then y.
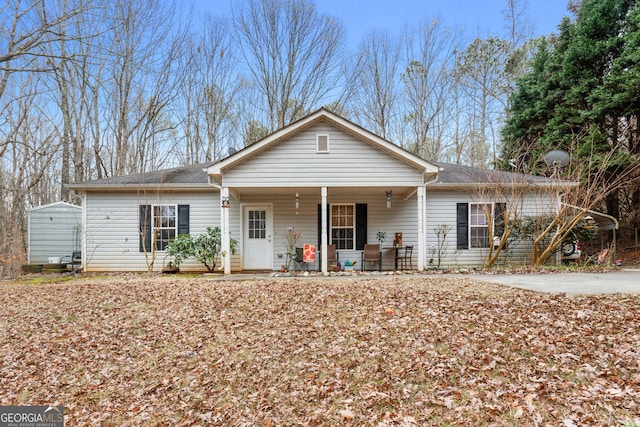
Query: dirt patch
{"type": "Point", "coordinates": [630, 258]}
{"type": "Point", "coordinates": [153, 350]}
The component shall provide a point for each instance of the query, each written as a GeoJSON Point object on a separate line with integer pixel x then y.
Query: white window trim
{"type": "Point", "coordinates": [353, 227]}
{"type": "Point", "coordinates": [485, 226]}
{"type": "Point", "coordinates": [154, 229]}
{"type": "Point", "coordinates": [318, 150]}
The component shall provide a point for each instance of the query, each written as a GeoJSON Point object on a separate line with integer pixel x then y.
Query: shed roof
{"type": "Point", "coordinates": [56, 205]}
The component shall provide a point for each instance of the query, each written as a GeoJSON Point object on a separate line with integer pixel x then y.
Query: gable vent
{"type": "Point", "coordinates": [322, 144]}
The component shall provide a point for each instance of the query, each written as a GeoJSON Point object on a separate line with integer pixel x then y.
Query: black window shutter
{"type": "Point", "coordinates": [361, 226]}
{"type": "Point", "coordinates": [145, 228]}
{"type": "Point", "coordinates": [462, 226]}
{"type": "Point", "coordinates": [498, 219]}
{"type": "Point", "coordinates": [320, 225]}
{"type": "Point", "coordinates": [183, 219]}
{"type": "Point", "coordinates": [499, 213]}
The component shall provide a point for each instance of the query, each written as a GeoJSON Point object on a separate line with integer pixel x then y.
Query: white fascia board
{"type": "Point", "coordinates": [216, 170]}
{"type": "Point", "coordinates": [135, 187]}
{"type": "Point", "coordinates": [475, 185]}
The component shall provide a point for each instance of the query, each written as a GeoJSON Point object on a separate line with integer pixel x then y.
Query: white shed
{"type": "Point", "coordinates": [55, 231]}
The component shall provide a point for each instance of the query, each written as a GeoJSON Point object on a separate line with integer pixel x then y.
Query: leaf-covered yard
{"type": "Point", "coordinates": [417, 350]}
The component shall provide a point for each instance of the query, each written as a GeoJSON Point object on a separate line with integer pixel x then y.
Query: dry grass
{"type": "Point", "coordinates": [152, 350]}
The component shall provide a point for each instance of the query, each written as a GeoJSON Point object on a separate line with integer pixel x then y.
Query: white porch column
{"type": "Point", "coordinates": [421, 228]}
{"type": "Point", "coordinates": [224, 229]}
{"type": "Point", "coordinates": [323, 232]}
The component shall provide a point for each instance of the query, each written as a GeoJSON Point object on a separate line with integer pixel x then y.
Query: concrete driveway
{"type": "Point", "coordinates": [624, 281]}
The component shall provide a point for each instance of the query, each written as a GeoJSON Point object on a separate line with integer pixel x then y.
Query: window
{"type": "Point", "coordinates": [257, 224]}
{"type": "Point", "coordinates": [479, 225]}
{"type": "Point", "coordinates": [161, 223]}
{"type": "Point", "coordinates": [322, 143]}
{"type": "Point", "coordinates": [343, 226]}
{"type": "Point", "coordinates": [164, 225]}
{"type": "Point", "coordinates": [473, 224]}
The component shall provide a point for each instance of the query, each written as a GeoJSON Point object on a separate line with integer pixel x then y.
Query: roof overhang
{"type": "Point", "coordinates": [55, 205]}
{"type": "Point", "coordinates": [556, 186]}
{"type": "Point", "coordinates": [128, 188]}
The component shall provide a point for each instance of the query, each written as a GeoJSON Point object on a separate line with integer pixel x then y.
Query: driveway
{"type": "Point", "coordinates": [624, 281]}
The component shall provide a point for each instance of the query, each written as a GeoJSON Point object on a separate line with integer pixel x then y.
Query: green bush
{"type": "Point", "coordinates": [205, 248]}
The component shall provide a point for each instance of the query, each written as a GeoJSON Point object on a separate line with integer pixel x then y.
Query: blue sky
{"type": "Point", "coordinates": [478, 17]}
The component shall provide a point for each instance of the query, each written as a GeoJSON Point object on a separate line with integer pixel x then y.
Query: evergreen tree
{"type": "Point", "coordinates": [581, 95]}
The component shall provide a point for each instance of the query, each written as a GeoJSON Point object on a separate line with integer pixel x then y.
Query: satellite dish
{"type": "Point", "coordinates": [556, 159]}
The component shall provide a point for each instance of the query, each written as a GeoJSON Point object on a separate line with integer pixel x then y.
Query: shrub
{"type": "Point", "coordinates": [205, 248]}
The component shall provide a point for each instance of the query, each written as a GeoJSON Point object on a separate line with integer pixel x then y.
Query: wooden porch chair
{"type": "Point", "coordinates": [372, 253]}
{"type": "Point", "coordinates": [405, 256]}
{"type": "Point", "coordinates": [332, 255]}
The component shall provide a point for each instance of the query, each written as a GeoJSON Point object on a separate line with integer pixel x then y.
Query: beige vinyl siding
{"type": "Point", "coordinates": [112, 221]}
{"type": "Point", "coordinates": [441, 209]}
{"type": "Point", "coordinates": [295, 162]}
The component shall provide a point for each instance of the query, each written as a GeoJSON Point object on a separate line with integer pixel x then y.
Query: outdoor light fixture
{"type": "Point", "coordinates": [225, 202]}
{"type": "Point", "coordinates": [389, 199]}
{"type": "Point", "coordinates": [297, 202]}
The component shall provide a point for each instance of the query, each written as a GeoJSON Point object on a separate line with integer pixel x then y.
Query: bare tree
{"type": "Point", "coordinates": [208, 100]}
{"type": "Point", "coordinates": [376, 101]}
{"type": "Point", "coordinates": [597, 183]}
{"type": "Point", "coordinates": [291, 52]}
{"type": "Point", "coordinates": [428, 83]}
{"type": "Point", "coordinates": [29, 30]}
{"type": "Point", "coordinates": [28, 172]}
{"type": "Point", "coordinates": [506, 198]}
{"type": "Point", "coordinates": [482, 74]}
{"type": "Point", "coordinates": [143, 81]}
{"type": "Point", "coordinates": [516, 22]}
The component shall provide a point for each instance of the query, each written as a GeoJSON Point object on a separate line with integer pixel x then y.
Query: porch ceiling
{"type": "Point", "coordinates": [398, 191]}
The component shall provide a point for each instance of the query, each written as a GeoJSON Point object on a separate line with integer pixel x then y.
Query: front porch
{"type": "Point", "coordinates": [348, 217]}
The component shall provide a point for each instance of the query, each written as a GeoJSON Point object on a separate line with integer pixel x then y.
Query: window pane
{"type": "Point", "coordinates": [163, 238]}
{"type": "Point", "coordinates": [479, 225]}
{"type": "Point", "coordinates": [164, 222]}
{"type": "Point", "coordinates": [342, 226]}
{"type": "Point", "coordinates": [257, 223]}
{"type": "Point", "coordinates": [480, 237]}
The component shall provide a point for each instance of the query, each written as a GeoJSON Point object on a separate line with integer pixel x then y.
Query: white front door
{"type": "Point", "coordinates": [256, 245]}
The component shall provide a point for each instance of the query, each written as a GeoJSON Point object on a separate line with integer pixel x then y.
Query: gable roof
{"type": "Point", "coordinates": [198, 176]}
{"type": "Point", "coordinates": [322, 115]}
